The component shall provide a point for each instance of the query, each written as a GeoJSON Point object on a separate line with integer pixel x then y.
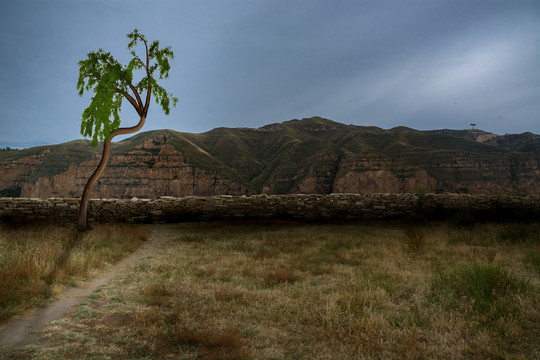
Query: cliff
{"type": "Point", "coordinates": [300, 156]}
{"type": "Point", "coordinates": [150, 169]}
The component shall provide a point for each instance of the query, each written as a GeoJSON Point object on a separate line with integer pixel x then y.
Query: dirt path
{"type": "Point", "coordinates": [24, 330]}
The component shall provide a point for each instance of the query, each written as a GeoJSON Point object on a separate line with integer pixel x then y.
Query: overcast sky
{"type": "Point", "coordinates": [425, 64]}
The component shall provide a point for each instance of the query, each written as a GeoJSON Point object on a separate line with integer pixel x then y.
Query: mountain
{"type": "Point", "coordinates": [312, 155]}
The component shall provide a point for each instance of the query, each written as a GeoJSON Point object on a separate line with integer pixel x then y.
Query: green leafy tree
{"type": "Point", "coordinates": [111, 83]}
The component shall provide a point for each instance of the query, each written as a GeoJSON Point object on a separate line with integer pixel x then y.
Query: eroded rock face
{"type": "Point", "coordinates": [383, 181]}
{"type": "Point", "coordinates": [462, 174]}
{"type": "Point", "coordinates": [377, 173]}
{"type": "Point", "coordinates": [15, 173]}
{"type": "Point", "coordinates": [142, 172]}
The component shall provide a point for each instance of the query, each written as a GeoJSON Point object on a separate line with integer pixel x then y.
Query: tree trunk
{"type": "Point", "coordinates": [83, 208]}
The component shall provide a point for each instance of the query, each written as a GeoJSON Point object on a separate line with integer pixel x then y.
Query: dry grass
{"type": "Point", "coordinates": [292, 291]}
{"type": "Point", "coordinates": [36, 262]}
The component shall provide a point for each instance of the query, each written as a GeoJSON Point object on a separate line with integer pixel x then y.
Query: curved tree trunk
{"type": "Point", "coordinates": [83, 208]}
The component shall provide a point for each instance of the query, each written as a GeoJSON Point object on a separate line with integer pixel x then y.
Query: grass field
{"type": "Point", "coordinates": [279, 290]}
{"type": "Point", "coordinates": [37, 262]}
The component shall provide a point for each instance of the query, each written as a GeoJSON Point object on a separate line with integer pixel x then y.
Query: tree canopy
{"type": "Point", "coordinates": [111, 82]}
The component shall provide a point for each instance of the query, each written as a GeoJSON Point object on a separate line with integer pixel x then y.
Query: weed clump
{"type": "Point", "coordinates": [168, 332]}
{"type": "Point", "coordinates": [487, 288]}
{"type": "Point", "coordinates": [279, 276]}
{"type": "Point", "coordinates": [156, 295]}
{"type": "Point", "coordinates": [223, 344]}
{"type": "Point", "coordinates": [415, 239]}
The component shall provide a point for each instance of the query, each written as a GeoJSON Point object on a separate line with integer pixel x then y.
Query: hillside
{"type": "Point", "coordinates": [313, 155]}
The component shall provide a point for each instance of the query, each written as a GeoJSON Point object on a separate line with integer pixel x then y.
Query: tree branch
{"type": "Point", "coordinates": [149, 90]}
{"type": "Point", "coordinates": [148, 95]}
{"type": "Point", "coordinates": [136, 93]}
{"type": "Point", "coordinates": [131, 100]}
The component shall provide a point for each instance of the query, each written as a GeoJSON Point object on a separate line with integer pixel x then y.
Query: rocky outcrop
{"type": "Point", "coordinates": [17, 171]}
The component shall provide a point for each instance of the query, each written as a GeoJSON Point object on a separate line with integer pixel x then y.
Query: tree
{"type": "Point", "coordinates": [473, 125]}
{"type": "Point", "coordinates": [111, 83]}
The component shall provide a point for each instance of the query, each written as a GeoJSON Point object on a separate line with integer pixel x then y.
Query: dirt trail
{"type": "Point", "coordinates": [24, 330]}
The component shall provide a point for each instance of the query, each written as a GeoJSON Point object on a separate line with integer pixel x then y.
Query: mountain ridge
{"type": "Point", "coordinates": [313, 155]}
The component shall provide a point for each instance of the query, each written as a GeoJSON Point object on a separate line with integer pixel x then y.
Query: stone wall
{"type": "Point", "coordinates": [299, 207]}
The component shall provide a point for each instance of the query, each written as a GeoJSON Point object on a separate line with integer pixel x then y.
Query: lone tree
{"type": "Point", "coordinates": [111, 82]}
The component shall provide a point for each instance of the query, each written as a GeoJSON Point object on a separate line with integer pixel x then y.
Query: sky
{"type": "Point", "coordinates": [424, 64]}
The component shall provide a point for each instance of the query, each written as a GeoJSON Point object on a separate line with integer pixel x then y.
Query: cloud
{"type": "Point", "coordinates": [418, 63]}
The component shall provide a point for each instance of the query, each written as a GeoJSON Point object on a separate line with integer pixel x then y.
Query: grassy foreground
{"type": "Point", "coordinates": [37, 262]}
{"type": "Point", "coordinates": [329, 291]}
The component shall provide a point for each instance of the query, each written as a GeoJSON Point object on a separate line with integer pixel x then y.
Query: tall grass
{"type": "Point", "coordinates": [35, 262]}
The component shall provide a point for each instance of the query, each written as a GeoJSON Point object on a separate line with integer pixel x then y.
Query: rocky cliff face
{"type": "Point", "coordinates": [15, 173]}
{"type": "Point", "coordinates": [150, 170]}
{"type": "Point", "coordinates": [300, 156]}
{"type": "Point", "coordinates": [519, 174]}
{"type": "Point", "coordinates": [377, 173]}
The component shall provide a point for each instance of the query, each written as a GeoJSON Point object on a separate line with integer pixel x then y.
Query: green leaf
{"type": "Point", "coordinates": [111, 82]}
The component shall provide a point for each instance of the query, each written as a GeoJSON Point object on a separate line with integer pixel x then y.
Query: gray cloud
{"type": "Point", "coordinates": [425, 64]}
